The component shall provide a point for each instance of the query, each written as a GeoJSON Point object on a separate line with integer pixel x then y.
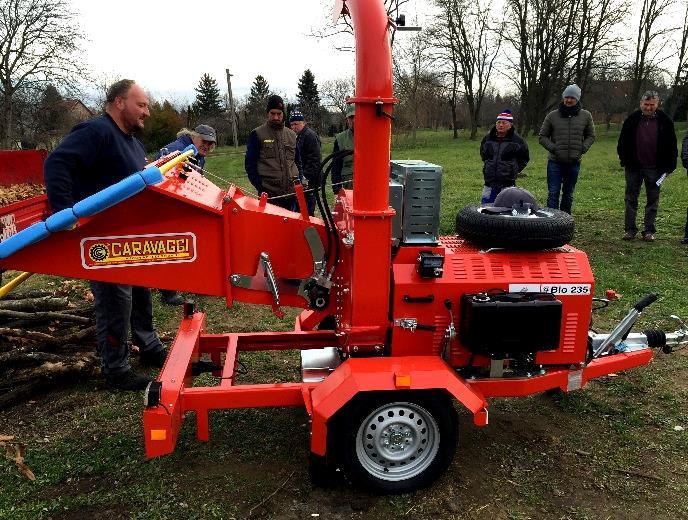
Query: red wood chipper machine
{"type": "Point", "coordinates": [398, 322]}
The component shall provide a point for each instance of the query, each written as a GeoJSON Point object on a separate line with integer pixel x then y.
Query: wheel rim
{"type": "Point", "coordinates": [397, 441]}
{"type": "Point", "coordinates": [540, 213]}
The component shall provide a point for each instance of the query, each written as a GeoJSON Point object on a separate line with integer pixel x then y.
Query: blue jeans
{"type": "Point", "coordinates": [490, 194]}
{"type": "Point", "coordinates": [561, 177]}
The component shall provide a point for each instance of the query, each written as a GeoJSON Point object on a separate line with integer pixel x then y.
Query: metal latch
{"type": "Point", "coordinates": [406, 323]}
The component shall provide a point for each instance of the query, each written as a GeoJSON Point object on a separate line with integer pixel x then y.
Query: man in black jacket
{"type": "Point", "coordinates": [504, 154]}
{"type": "Point", "coordinates": [647, 150]}
{"type": "Point", "coordinates": [96, 154]}
{"type": "Point", "coordinates": [308, 155]}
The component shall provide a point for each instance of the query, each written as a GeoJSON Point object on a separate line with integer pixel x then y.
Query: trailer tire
{"type": "Point", "coordinates": [546, 228]}
{"type": "Point", "coordinates": [397, 442]}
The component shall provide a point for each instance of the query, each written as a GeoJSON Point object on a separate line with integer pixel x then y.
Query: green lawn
{"type": "Point", "coordinates": [614, 450]}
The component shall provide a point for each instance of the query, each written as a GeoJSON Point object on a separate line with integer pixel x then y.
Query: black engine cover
{"type": "Point", "coordinates": [510, 325]}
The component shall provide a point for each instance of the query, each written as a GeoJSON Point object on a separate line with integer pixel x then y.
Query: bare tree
{"type": "Point", "coordinates": [342, 30]}
{"type": "Point", "coordinates": [446, 52]}
{"type": "Point", "coordinates": [334, 93]}
{"type": "Point", "coordinates": [39, 40]}
{"type": "Point", "coordinates": [648, 44]}
{"type": "Point", "coordinates": [473, 42]}
{"type": "Point", "coordinates": [416, 80]}
{"type": "Point", "coordinates": [557, 42]}
{"type": "Point", "coordinates": [597, 41]}
{"type": "Point", "coordinates": [679, 84]}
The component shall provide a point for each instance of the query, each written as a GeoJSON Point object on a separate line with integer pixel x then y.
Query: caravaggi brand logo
{"type": "Point", "coordinates": [122, 251]}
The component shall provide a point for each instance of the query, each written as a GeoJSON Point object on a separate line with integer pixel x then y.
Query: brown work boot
{"type": "Point", "coordinates": [628, 235]}
{"type": "Point", "coordinates": [648, 237]}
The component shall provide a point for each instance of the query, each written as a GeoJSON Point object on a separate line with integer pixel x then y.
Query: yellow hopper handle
{"type": "Point", "coordinates": [9, 286]}
{"type": "Point", "coordinates": [164, 168]}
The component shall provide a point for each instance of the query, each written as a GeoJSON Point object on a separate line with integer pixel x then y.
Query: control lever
{"type": "Point", "coordinates": [623, 328]}
{"type": "Point", "coordinates": [272, 283]}
{"type": "Point", "coordinates": [449, 332]}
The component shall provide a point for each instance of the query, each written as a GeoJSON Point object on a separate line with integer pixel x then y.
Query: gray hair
{"type": "Point", "coordinates": [190, 133]}
{"type": "Point", "coordinates": [650, 94]}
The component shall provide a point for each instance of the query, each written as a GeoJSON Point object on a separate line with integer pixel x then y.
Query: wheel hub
{"type": "Point", "coordinates": [397, 441]}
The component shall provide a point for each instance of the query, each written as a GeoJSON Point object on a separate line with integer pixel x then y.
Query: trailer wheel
{"type": "Point", "coordinates": [543, 229]}
{"type": "Point", "coordinates": [398, 442]}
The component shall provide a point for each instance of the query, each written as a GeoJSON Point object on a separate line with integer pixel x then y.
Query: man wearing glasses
{"type": "Point", "coordinates": [647, 151]}
{"type": "Point", "coordinates": [203, 138]}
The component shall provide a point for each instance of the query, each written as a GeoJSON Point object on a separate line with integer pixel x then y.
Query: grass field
{"type": "Point", "coordinates": [614, 450]}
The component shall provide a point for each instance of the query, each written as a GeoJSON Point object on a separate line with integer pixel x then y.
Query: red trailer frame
{"type": "Point", "coordinates": [187, 234]}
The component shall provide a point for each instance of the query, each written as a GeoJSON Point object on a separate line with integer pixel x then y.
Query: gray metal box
{"type": "Point", "coordinates": [396, 201]}
{"type": "Point", "coordinates": [422, 182]}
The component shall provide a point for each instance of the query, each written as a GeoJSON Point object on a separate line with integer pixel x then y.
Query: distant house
{"type": "Point", "coordinates": [76, 110]}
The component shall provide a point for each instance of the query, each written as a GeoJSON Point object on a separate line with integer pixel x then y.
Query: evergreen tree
{"type": "Point", "coordinates": [161, 127]}
{"type": "Point", "coordinates": [309, 99]}
{"type": "Point", "coordinates": [51, 115]}
{"type": "Point", "coordinates": [208, 98]}
{"type": "Point", "coordinates": [257, 102]}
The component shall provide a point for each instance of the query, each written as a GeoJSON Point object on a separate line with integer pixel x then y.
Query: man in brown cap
{"type": "Point", "coordinates": [271, 156]}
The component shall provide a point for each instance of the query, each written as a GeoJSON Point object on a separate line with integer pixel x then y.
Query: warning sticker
{"type": "Point", "coordinates": [131, 250]}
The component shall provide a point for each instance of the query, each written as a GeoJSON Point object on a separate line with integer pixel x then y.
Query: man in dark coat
{"type": "Point", "coordinates": [204, 139]}
{"type": "Point", "coordinates": [96, 154]}
{"type": "Point", "coordinates": [566, 133]}
{"type": "Point", "coordinates": [309, 155]}
{"type": "Point", "coordinates": [684, 161]}
{"type": "Point", "coordinates": [504, 154]}
{"type": "Point", "coordinates": [647, 150]}
{"type": "Point", "coordinates": [270, 161]}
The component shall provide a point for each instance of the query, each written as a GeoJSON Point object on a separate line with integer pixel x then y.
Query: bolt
{"type": "Point", "coordinates": [171, 380]}
{"type": "Point", "coordinates": [234, 210]}
{"type": "Point", "coordinates": [285, 219]}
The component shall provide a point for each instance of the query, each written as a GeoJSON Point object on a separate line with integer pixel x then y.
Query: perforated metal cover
{"type": "Point", "coordinates": [422, 183]}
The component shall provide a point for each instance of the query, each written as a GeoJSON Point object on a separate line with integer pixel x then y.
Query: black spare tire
{"type": "Point", "coordinates": [539, 228]}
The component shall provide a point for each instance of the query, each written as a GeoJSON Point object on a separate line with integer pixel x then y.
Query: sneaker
{"type": "Point", "coordinates": [629, 235]}
{"type": "Point", "coordinates": [153, 359]}
{"type": "Point", "coordinates": [172, 298]}
{"type": "Point", "coordinates": [648, 237]}
{"type": "Point", "coordinates": [129, 380]}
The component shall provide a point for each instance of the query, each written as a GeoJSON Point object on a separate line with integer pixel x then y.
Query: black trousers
{"type": "Point", "coordinates": [121, 309]}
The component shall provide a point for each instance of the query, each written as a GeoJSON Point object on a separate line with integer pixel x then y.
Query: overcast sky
{"type": "Point", "coordinates": [167, 45]}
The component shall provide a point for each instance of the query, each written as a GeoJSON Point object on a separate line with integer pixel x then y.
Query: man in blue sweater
{"type": "Point", "coordinates": [96, 154]}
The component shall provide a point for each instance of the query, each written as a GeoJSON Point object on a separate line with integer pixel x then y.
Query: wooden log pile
{"type": "Point", "coordinates": [17, 192]}
{"type": "Point", "coordinates": [46, 341]}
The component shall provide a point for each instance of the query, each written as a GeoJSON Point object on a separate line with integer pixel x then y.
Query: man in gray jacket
{"type": "Point", "coordinates": [566, 133]}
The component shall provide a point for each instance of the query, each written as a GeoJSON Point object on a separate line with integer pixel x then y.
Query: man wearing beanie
{"type": "Point", "coordinates": [271, 156]}
{"type": "Point", "coordinates": [566, 133]}
{"type": "Point", "coordinates": [309, 155]}
{"type": "Point", "coordinates": [647, 151]}
{"type": "Point", "coordinates": [504, 154]}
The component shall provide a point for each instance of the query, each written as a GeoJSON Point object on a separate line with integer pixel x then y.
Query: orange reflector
{"type": "Point", "coordinates": [402, 381]}
{"type": "Point", "coordinates": [158, 435]}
